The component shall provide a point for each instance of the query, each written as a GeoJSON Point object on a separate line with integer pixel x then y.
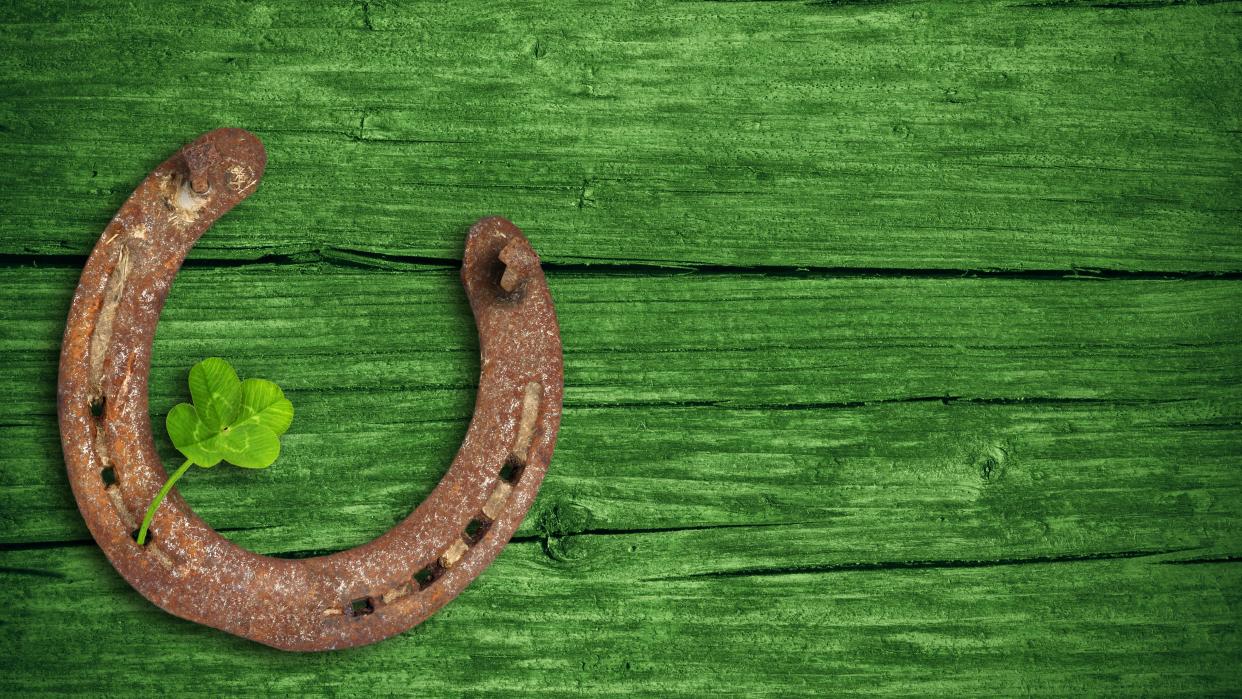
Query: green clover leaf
{"type": "Point", "coordinates": [239, 422]}
{"type": "Point", "coordinates": [230, 420]}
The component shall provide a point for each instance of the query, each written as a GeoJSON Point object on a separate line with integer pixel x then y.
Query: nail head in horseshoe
{"type": "Point", "coordinates": [349, 598]}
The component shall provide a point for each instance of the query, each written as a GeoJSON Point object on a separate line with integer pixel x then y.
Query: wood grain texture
{"type": "Point", "coordinates": [676, 410]}
{"type": "Point", "coordinates": [535, 626]}
{"type": "Point", "coordinates": [821, 135]}
{"type": "Point", "coordinates": [902, 342]}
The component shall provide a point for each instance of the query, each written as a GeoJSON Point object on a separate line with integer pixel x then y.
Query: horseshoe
{"type": "Point", "coordinates": [345, 599]}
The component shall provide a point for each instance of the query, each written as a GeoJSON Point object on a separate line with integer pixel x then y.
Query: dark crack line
{"type": "Point", "coordinates": [854, 405]}
{"type": "Point", "coordinates": [1203, 561]}
{"type": "Point", "coordinates": [913, 565]}
{"type": "Point", "coordinates": [1114, 4]}
{"type": "Point", "coordinates": [372, 260]}
{"type": "Point", "coordinates": [544, 537]}
{"type": "Point", "coordinates": [75, 543]}
{"type": "Point", "coordinates": [40, 545]}
{"type": "Point", "coordinates": [34, 572]}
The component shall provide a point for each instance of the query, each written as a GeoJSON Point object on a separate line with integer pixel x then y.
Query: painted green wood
{"type": "Point", "coordinates": [918, 438]}
{"type": "Point", "coordinates": [613, 623]}
{"type": "Point", "coordinates": [940, 392]}
{"type": "Point", "coordinates": [878, 135]}
{"type": "Point", "coordinates": [848, 408]}
{"type": "Point", "coordinates": [738, 339]}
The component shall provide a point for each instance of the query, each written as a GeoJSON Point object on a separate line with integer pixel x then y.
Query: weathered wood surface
{"type": "Point", "coordinates": [903, 135]}
{"type": "Point", "coordinates": [701, 400]}
{"type": "Point", "coordinates": [944, 399]}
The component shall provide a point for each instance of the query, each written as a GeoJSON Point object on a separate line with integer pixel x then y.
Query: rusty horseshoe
{"type": "Point", "coordinates": [345, 599]}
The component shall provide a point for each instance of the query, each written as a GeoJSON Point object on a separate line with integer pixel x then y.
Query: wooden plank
{"type": "Point", "coordinates": [741, 339]}
{"type": "Point", "coordinates": [985, 135]}
{"type": "Point", "coordinates": [705, 401]}
{"type": "Point", "coordinates": [891, 482]}
{"type": "Point", "coordinates": [612, 622]}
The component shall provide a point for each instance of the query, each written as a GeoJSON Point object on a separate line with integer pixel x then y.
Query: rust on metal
{"type": "Point", "coordinates": [349, 598]}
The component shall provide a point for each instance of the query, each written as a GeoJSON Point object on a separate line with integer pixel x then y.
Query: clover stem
{"type": "Point", "coordinates": [159, 497]}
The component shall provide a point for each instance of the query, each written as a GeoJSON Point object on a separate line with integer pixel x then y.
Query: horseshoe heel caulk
{"type": "Point", "coordinates": [349, 598]}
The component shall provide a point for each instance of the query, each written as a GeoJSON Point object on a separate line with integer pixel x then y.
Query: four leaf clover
{"type": "Point", "coordinates": [236, 421]}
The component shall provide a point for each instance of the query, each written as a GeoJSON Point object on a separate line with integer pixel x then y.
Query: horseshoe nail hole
{"type": "Point", "coordinates": [511, 283]}
{"type": "Point", "coordinates": [426, 576]}
{"type": "Point", "coordinates": [475, 530]}
{"type": "Point", "coordinates": [507, 283]}
{"type": "Point", "coordinates": [454, 553]}
{"type": "Point", "coordinates": [97, 407]}
{"type": "Point", "coordinates": [150, 537]}
{"type": "Point", "coordinates": [108, 476]}
{"type": "Point", "coordinates": [512, 470]}
{"type": "Point", "coordinates": [360, 607]}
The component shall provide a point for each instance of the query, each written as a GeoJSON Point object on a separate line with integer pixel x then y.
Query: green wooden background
{"type": "Point", "coordinates": [903, 339]}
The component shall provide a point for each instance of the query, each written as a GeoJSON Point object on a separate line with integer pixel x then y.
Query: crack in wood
{"type": "Point", "coordinates": [917, 565]}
